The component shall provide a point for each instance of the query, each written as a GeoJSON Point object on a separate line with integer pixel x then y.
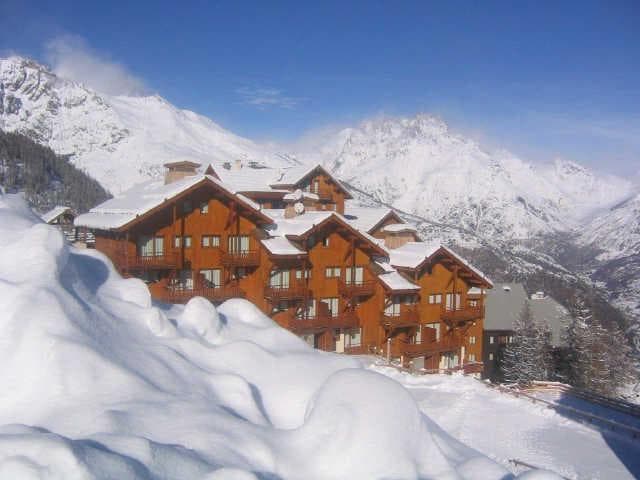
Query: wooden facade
{"type": "Point", "coordinates": [207, 242]}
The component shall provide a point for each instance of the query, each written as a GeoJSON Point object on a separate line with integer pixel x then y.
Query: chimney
{"type": "Point", "coordinates": [237, 164]}
{"type": "Point", "coordinates": [179, 170]}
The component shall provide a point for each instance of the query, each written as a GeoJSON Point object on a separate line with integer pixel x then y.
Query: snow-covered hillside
{"type": "Point", "coordinates": [120, 140]}
{"type": "Point", "coordinates": [99, 383]}
{"type": "Point", "coordinates": [616, 234]}
{"type": "Point", "coordinates": [418, 165]}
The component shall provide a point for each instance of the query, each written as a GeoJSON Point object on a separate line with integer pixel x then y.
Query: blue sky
{"type": "Point", "coordinates": [543, 79]}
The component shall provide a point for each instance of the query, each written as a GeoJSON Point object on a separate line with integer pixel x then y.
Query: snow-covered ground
{"type": "Point", "coordinates": [99, 383]}
{"type": "Point", "coordinates": [505, 428]}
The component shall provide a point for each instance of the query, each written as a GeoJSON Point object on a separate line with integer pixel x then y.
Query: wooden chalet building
{"type": "Point", "coordinates": [345, 279]}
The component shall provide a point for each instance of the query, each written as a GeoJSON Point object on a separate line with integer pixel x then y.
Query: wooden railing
{"type": "Point", "coordinates": [166, 260]}
{"type": "Point", "coordinates": [315, 323]}
{"type": "Point", "coordinates": [348, 319]}
{"type": "Point", "coordinates": [358, 349]}
{"type": "Point", "coordinates": [241, 258]}
{"type": "Point", "coordinates": [355, 289]}
{"type": "Point", "coordinates": [462, 314]}
{"type": "Point", "coordinates": [294, 290]}
{"type": "Point", "coordinates": [408, 316]}
{"type": "Point", "coordinates": [214, 294]}
{"type": "Point", "coordinates": [428, 345]}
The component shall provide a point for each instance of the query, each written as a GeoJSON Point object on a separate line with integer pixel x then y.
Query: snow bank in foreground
{"type": "Point", "coordinates": [99, 383]}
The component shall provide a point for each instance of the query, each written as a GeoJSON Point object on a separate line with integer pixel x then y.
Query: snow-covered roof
{"type": "Point", "coordinates": [247, 179]}
{"type": "Point", "coordinates": [504, 303]}
{"type": "Point", "coordinates": [295, 226]}
{"type": "Point", "coordinates": [395, 281]}
{"type": "Point", "coordinates": [412, 254]}
{"type": "Point", "coordinates": [281, 246]}
{"type": "Point", "coordinates": [398, 227]}
{"type": "Point", "coordinates": [54, 213]}
{"type": "Point", "coordinates": [293, 175]}
{"type": "Point", "coordinates": [142, 198]}
{"type": "Point", "coordinates": [365, 218]}
{"type": "Point", "coordinates": [299, 195]}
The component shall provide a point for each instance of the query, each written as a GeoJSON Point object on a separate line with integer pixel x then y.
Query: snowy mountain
{"type": "Point", "coordinates": [418, 165]}
{"type": "Point", "coordinates": [447, 184]}
{"type": "Point", "coordinates": [119, 140]}
{"type": "Point", "coordinates": [615, 233]}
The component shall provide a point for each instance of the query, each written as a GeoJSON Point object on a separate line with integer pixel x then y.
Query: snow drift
{"type": "Point", "coordinates": [98, 382]}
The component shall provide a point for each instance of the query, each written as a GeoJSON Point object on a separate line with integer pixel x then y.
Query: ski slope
{"type": "Point", "coordinates": [505, 428]}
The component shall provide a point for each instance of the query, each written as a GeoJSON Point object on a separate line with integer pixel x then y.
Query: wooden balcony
{"type": "Point", "coordinates": [242, 258]}
{"type": "Point", "coordinates": [427, 346]}
{"type": "Point", "coordinates": [461, 315]}
{"type": "Point", "coordinates": [355, 289]}
{"type": "Point", "coordinates": [358, 349]}
{"type": "Point", "coordinates": [166, 260]}
{"type": "Point", "coordinates": [293, 291]}
{"type": "Point", "coordinates": [299, 325]}
{"type": "Point", "coordinates": [213, 294]}
{"type": "Point", "coordinates": [409, 316]}
{"type": "Point", "coordinates": [347, 319]}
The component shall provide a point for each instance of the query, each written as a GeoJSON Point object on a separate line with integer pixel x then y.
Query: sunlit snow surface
{"type": "Point", "coordinates": [507, 428]}
{"type": "Point", "coordinates": [99, 383]}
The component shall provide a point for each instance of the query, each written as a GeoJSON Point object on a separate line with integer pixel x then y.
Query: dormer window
{"type": "Point", "coordinates": [204, 208]}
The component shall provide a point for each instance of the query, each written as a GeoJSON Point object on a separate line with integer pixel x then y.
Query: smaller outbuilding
{"type": "Point", "coordinates": [503, 306]}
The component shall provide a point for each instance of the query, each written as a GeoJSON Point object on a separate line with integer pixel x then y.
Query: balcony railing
{"type": "Point", "coordinates": [292, 291]}
{"type": "Point", "coordinates": [308, 324]}
{"type": "Point", "coordinates": [462, 314]}
{"type": "Point", "coordinates": [428, 345]}
{"type": "Point", "coordinates": [358, 349]}
{"type": "Point", "coordinates": [165, 260]}
{"type": "Point", "coordinates": [408, 316]}
{"type": "Point", "coordinates": [355, 289]}
{"type": "Point", "coordinates": [214, 294]}
{"type": "Point", "coordinates": [348, 319]}
{"type": "Point", "coordinates": [241, 258]}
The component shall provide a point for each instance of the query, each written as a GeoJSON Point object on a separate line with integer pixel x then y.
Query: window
{"type": "Point", "coordinates": [281, 306]}
{"type": "Point", "coordinates": [354, 337]}
{"type": "Point", "coordinates": [210, 241]}
{"type": "Point", "coordinates": [332, 272]}
{"type": "Point", "coordinates": [239, 273]}
{"type": "Point", "coordinates": [491, 356]}
{"type": "Point", "coordinates": [238, 243]}
{"type": "Point", "coordinates": [453, 301]}
{"type": "Point", "coordinates": [436, 327]}
{"type": "Point", "coordinates": [204, 208]}
{"type": "Point", "coordinates": [472, 340]}
{"type": "Point", "coordinates": [150, 246]}
{"type": "Point", "coordinates": [354, 275]}
{"type": "Point", "coordinates": [473, 303]}
{"type": "Point", "coordinates": [325, 242]}
{"type": "Point", "coordinates": [472, 357]}
{"type": "Point", "coordinates": [184, 280]}
{"type": "Point", "coordinates": [332, 304]}
{"type": "Point", "coordinates": [211, 278]}
{"type": "Point", "coordinates": [186, 206]}
{"type": "Point", "coordinates": [279, 279]}
{"type": "Point", "coordinates": [510, 339]}
{"type": "Point", "coordinates": [435, 298]}
{"type": "Point", "coordinates": [490, 339]}
{"type": "Point", "coordinates": [300, 274]}
{"type": "Point", "coordinates": [178, 241]}
{"type": "Point", "coordinates": [310, 310]}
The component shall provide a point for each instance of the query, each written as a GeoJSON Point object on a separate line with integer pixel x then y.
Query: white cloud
{"type": "Point", "coordinates": [71, 57]}
{"type": "Point", "coordinates": [267, 97]}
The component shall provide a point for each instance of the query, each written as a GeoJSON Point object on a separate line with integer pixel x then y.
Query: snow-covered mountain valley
{"type": "Point", "coordinates": [503, 208]}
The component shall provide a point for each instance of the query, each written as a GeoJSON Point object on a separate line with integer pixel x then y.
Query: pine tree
{"type": "Point", "coordinates": [526, 358]}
